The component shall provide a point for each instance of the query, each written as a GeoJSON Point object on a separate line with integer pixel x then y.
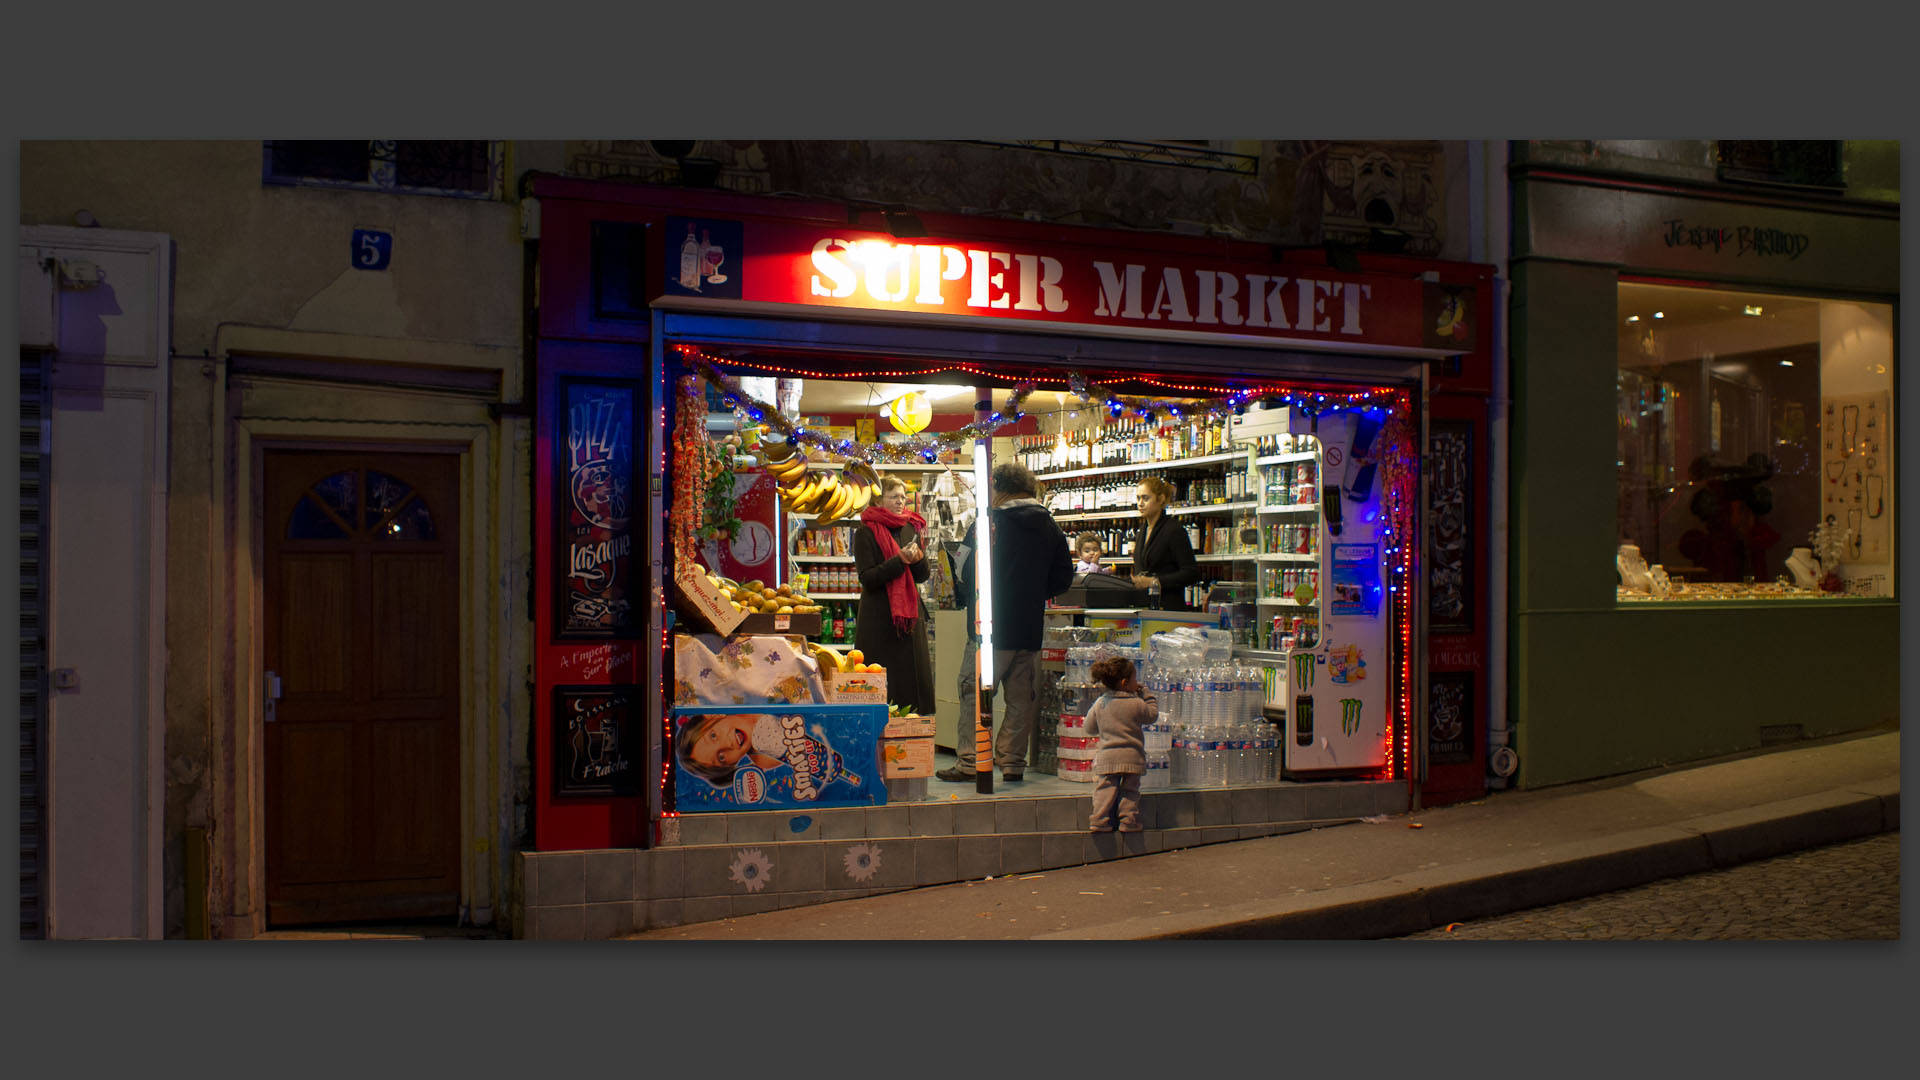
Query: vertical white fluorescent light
{"type": "Point", "coordinates": [983, 563]}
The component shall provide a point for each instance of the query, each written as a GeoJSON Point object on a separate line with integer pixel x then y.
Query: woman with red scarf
{"type": "Point", "coordinates": [893, 621]}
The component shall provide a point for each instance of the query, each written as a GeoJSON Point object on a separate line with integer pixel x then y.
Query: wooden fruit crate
{"type": "Point", "coordinates": [761, 622]}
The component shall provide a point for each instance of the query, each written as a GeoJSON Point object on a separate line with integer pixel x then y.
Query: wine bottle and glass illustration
{"type": "Point", "coordinates": [700, 261]}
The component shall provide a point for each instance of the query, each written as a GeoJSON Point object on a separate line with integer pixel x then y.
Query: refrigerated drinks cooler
{"type": "Point", "coordinates": [1336, 679]}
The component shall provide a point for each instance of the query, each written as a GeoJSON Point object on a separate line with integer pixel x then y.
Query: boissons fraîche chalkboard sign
{"type": "Point", "coordinates": [596, 741]}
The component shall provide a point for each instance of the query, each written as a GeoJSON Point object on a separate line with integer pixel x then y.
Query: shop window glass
{"type": "Point", "coordinates": [1755, 446]}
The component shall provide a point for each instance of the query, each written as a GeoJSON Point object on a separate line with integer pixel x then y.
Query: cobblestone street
{"type": "Point", "coordinates": [1847, 891]}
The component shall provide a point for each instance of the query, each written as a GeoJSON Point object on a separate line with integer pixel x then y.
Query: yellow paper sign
{"type": "Point", "coordinates": [911, 412]}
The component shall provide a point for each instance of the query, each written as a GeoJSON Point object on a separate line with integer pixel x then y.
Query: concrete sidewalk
{"type": "Point", "coordinates": [1405, 873]}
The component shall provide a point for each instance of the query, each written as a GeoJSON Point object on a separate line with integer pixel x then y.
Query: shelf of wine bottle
{"type": "Point", "coordinates": [1176, 463]}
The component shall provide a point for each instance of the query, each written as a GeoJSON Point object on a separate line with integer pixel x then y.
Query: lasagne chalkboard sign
{"type": "Point", "coordinates": [594, 495]}
{"type": "Point", "coordinates": [596, 741]}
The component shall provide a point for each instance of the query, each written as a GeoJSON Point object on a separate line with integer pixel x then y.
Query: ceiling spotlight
{"type": "Point", "coordinates": [1659, 314]}
{"type": "Point", "coordinates": [1633, 318]}
{"type": "Point", "coordinates": [1786, 363]}
{"type": "Point", "coordinates": [1753, 309]}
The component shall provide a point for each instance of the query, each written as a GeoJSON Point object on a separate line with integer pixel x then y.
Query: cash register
{"type": "Point", "coordinates": [1102, 591]}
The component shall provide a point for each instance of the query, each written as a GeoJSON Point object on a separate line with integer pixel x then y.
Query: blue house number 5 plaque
{"type": "Point", "coordinates": [372, 250]}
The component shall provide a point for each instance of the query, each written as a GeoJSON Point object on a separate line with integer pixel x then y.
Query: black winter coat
{"type": "Point", "coordinates": [1030, 566]}
{"type": "Point", "coordinates": [1168, 555]}
{"type": "Point", "coordinates": [907, 659]}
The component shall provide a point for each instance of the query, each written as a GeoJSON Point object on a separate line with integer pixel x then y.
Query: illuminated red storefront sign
{"type": "Point", "coordinates": [790, 264]}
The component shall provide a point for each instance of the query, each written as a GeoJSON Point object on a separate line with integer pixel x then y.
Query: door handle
{"type": "Point", "coordinates": [272, 687]}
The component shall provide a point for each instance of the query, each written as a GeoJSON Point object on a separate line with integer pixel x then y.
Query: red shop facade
{"type": "Point", "coordinates": [817, 286]}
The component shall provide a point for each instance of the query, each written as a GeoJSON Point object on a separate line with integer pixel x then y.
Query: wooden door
{"type": "Point", "coordinates": [362, 746]}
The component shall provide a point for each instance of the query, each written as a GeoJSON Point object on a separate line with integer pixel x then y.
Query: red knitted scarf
{"type": "Point", "coordinates": [902, 598]}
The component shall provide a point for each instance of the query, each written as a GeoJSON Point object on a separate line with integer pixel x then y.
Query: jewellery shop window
{"type": "Point", "coordinates": [1755, 446]}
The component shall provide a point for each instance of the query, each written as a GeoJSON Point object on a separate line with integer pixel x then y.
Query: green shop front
{"type": "Point", "coordinates": [1703, 498]}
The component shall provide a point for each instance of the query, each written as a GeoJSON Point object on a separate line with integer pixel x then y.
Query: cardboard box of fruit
{"type": "Point", "coordinates": [904, 723]}
{"type": "Point", "coordinates": [853, 681]}
{"type": "Point", "coordinates": [700, 600]}
{"type": "Point", "coordinates": [903, 758]}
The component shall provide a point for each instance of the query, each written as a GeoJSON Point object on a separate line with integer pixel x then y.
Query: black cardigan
{"type": "Point", "coordinates": [1169, 557]}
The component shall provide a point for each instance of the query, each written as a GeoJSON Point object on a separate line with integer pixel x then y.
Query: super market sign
{"type": "Point", "coordinates": [793, 265]}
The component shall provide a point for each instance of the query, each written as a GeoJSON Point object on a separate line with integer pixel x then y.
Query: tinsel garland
{"type": "Point", "coordinates": [1234, 403]}
{"type": "Point", "coordinates": [924, 448]}
{"type": "Point", "coordinates": [928, 447]}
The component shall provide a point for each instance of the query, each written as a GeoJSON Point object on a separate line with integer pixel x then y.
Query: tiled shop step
{"type": "Point", "coordinates": [723, 865]}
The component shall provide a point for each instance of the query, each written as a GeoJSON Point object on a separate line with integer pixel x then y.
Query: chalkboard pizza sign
{"type": "Point", "coordinates": [596, 741]}
{"type": "Point", "coordinates": [594, 495]}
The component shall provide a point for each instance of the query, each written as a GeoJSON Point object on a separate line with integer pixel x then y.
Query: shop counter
{"type": "Point", "coordinates": [1131, 626]}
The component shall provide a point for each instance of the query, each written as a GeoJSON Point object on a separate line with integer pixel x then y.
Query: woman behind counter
{"type": "Point", "coordinates": [893, 621]}
{"type": "Point", "coordinates": [1162, 554]}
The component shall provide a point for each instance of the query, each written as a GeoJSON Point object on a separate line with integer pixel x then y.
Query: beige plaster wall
{"type": "Point", "coordinates": [272, 255]}
{"type": "Point", "coordinates": [1871, 166]}
{"type": "Point", "coordinates": [1301, 192]}
{"type": "Point", "coordinates": [265, 269]}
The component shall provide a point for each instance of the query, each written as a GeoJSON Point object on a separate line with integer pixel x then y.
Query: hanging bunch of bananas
{"type": "Point", "coordinates": [828, 496]}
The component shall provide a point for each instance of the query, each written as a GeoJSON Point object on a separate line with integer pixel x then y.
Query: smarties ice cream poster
{"type": "Point", "coordinates": [759, 757]}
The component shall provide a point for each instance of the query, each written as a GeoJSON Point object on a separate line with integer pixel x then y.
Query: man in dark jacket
{"type": "Point", "coordinates": [1030, 564]}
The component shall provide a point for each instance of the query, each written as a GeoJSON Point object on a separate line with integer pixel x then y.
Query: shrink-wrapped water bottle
{"type": "Point", "coordinates": [1219, 709]}
{"type": "Point", "coordinates": [1177, 757]}
{"type": "Point", "coordinates": [1155, 778]}
{"type": "Point", "coordinates": [1213, 753]}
